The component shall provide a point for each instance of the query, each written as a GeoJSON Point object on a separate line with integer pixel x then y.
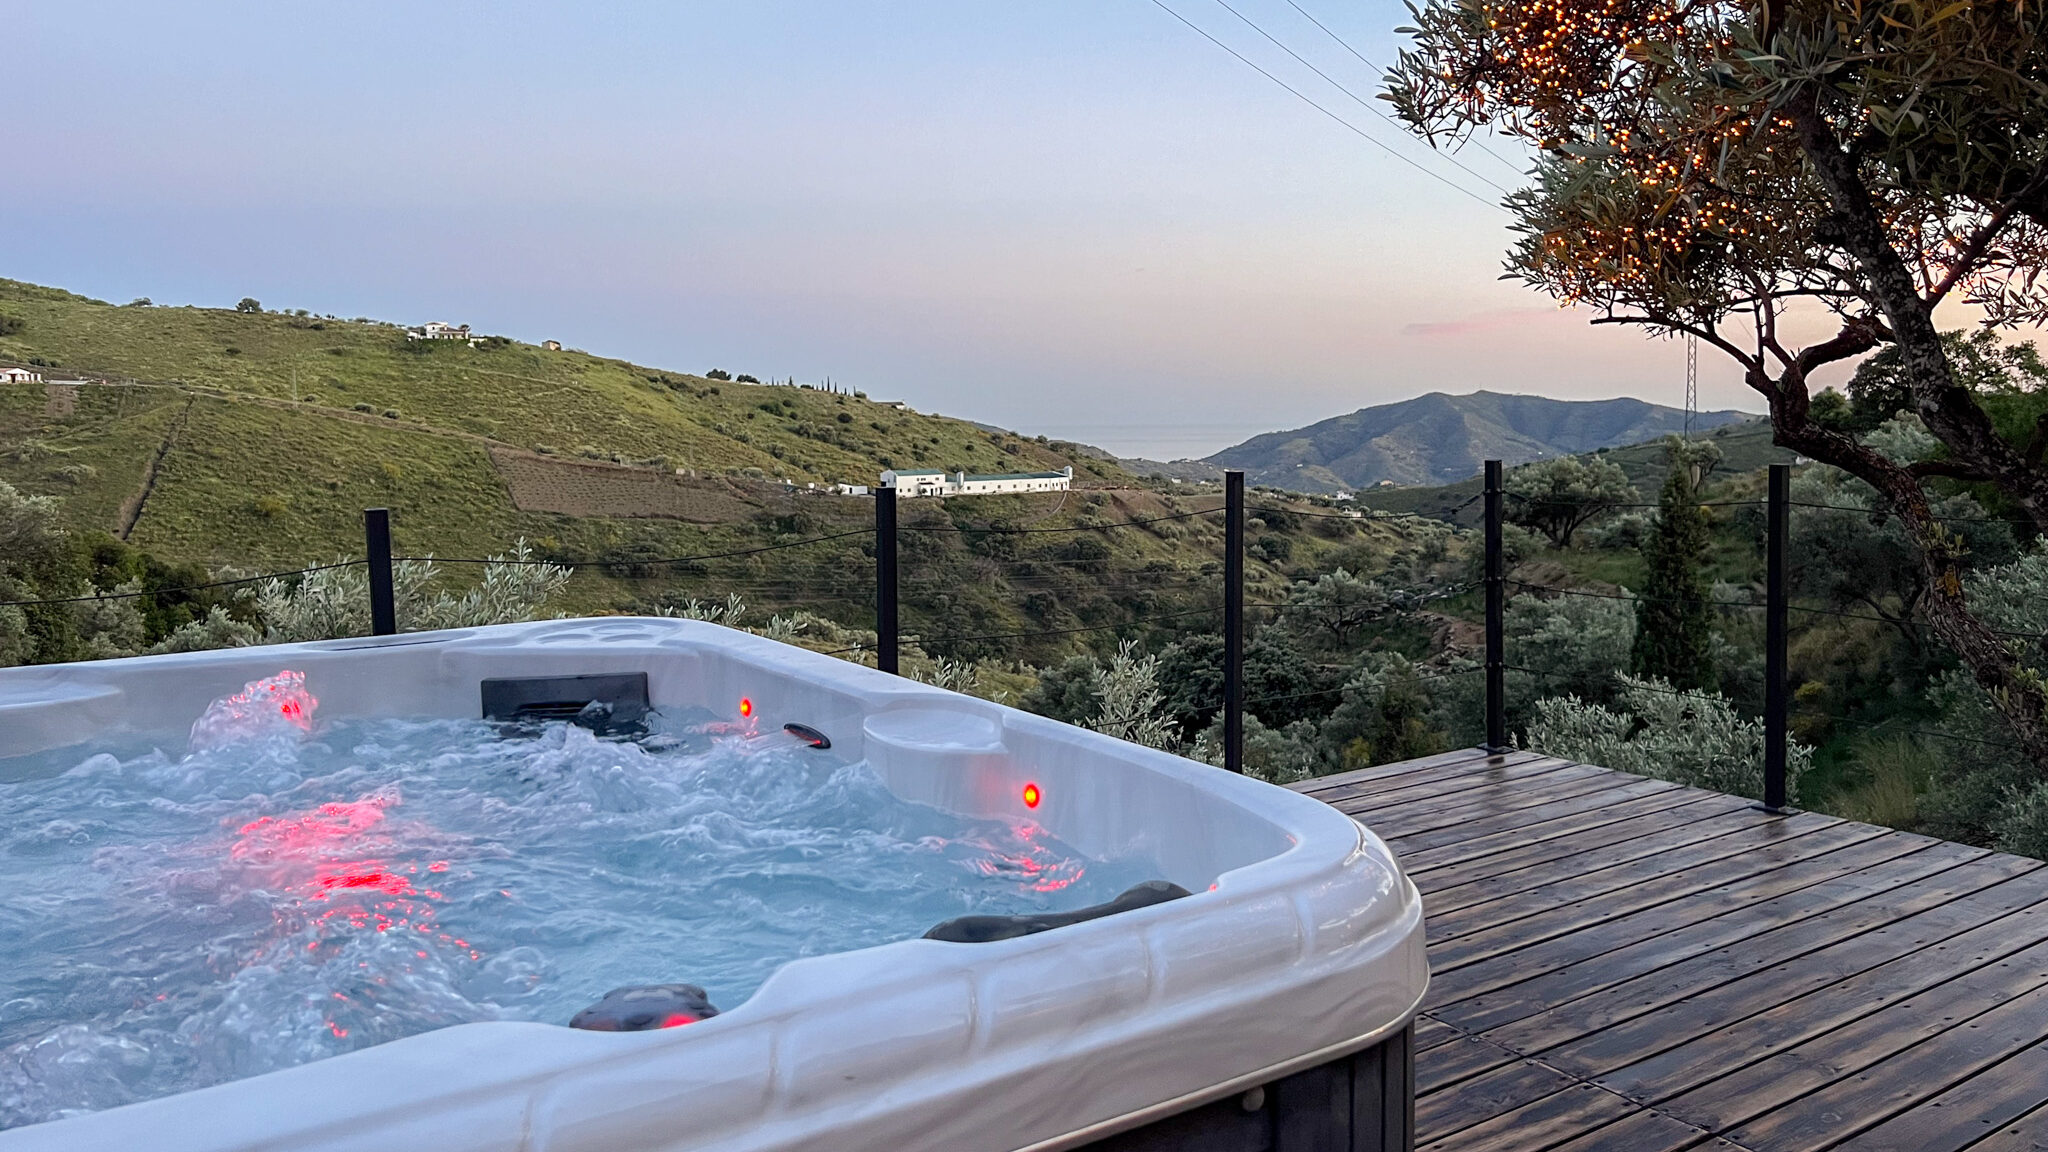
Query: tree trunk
{"type": "Point", "coordinates": [1948, 410]}
{"type": "Point", "coordinates": [2016, 692]}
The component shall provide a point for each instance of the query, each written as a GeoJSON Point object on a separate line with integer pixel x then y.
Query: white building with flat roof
{"type": "Point", "coordinates": [921, 482]}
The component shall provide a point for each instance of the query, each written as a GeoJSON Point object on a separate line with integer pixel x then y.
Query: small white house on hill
{"type": "Point", "coordinates": [919, 482]}
{"type": "Point", "coordinates": [20, 376]}
{"type": "Point", "coordinates": [436, 330]}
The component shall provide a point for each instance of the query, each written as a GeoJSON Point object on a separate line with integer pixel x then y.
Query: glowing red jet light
{"type": "Point", "coordinates": [678, 1019]}
{"type": "Point", "coordinates": [1031, 796]}
{"type": "Point", "coordinates": [746, 706]}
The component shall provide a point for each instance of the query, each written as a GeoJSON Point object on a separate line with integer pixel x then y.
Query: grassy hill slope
{"type": "Point", "coordinates": [255, 440]}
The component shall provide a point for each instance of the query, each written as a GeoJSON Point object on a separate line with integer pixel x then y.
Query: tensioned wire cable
{"type": "Point", "coordinates": [1699, 694]}
{"type": "Point", "coordinates": [1348, 125]}
{"type": "Point", "coordinates": [1743, 604]}
{"type": "Point", "coordinates": [1361, 101]}
{"type": "Point", "coordinates": [1346, 45]}
{"type": "Point", "coordinates": [183, 588]}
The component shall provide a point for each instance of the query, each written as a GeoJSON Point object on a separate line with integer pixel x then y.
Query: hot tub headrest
{"type": "Point", "coordinates": [644, 1007]}
{"type": "Point", "coordinates": [982, 929]}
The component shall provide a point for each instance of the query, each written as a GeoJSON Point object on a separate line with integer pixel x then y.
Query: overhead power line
{"type": "Point", "coordinates": [1311, 102]}
{"type": "Point", "coordinates": [1361, 101]}
{"type": "Point", "coordinates": [1346, 45]}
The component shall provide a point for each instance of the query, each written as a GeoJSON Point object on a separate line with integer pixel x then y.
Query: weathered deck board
{"type": "Point", "coordinates": [1625, 965]}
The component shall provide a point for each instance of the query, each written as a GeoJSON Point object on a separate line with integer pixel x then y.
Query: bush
{"type": "Point", "coordinates": [718, 374]}
{"type": "Point", "coordinates": [1693, 738]}
{"type": "Point", "coordinates": [364, 407]}
{"type": "Point", "coordinates": [1624, 533]}
{"type": "Point", "coordinates": [1066, 691]}
{"type": "Point", "coordinates": [1272, 549]}
{"type": "Point", "coordinates": [9, 325]}
{"type": "Point", "coordinates": [269, 507]}
{"type": "Point", "coordinates": [248, 304]}
{"type": "Point", "coordinates": [743, 378]}
{"type": "Point", "coordinates": [391, 413]}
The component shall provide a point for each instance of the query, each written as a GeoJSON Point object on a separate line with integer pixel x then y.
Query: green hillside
{"type": "Point", "coordinates": [254, 441]}
{"type": "Point", "coordinates": [258, 438]}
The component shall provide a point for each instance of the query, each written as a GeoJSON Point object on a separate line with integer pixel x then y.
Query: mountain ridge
{"type": "Point", "coordinates": [1439, 438]}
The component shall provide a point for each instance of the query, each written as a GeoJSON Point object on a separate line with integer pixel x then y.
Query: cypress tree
{"type": "Point", "coordinates": [1674, 625]}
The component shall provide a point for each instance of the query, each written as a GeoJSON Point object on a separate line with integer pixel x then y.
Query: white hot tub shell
{"type": "Point", "coordinates": [1307, 951]}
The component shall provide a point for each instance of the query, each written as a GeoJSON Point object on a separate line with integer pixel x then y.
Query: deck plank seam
{"type": "Point", "coordinates": [1532, 869]}
{"type": "Point", "coordinates": [1575, 1080]}
{"type": "Point", "coordinates": [1619, 1019]}
{"type": "Point", "coordinates": [1730, 854]}
{"type": "Point", "coordinates": [1564, 931]}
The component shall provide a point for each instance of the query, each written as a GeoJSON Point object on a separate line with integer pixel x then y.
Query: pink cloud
{"type": "Point", "coordinates": [1492, 320]}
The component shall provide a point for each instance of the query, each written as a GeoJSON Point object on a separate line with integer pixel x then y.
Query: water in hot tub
{"type": "Point", "coordinates": [294, 888]}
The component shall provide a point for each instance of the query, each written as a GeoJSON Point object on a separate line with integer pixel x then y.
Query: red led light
{"type": "Point", "coordinates": [746, 706]}
{"type": "Point", "coordinates": [1031, 796]}
{"type": "Point", "coordinates": [678, 1019]}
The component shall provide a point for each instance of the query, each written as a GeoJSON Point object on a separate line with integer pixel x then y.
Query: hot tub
{"type": "Point", "coordinates": [1270, 1009]}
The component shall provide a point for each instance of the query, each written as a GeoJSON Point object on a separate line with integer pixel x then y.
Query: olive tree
{"type": "Point", "coordinates": [1556, 497]}
{"type": "Point", "coordinates": [1706, 168]}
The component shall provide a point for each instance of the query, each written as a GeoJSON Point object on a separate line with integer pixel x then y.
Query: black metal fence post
{"type": "Point", "coordinates": [1777, 544]}
{"type": "Point", "coordinates": [377, 548]}
{"type": "Point", "coordinates": [885, 578]}
{"type": "Point", "coordinates": [1233, 621]}
{"type": "Point", "coordinates": [1496, 611]}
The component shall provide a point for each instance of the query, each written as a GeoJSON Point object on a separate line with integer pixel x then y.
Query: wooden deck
{"type": "Point", "coordinates": [1627, 965]}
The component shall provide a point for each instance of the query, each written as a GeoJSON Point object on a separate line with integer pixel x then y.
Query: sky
{"type": "Point", "coordinates": [1078, 218]}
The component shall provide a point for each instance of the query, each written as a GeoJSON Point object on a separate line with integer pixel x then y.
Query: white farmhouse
{"type": "Point", "coordinates": [920, 482]}
{"type": "Point", "coordinates": [436, 330]}
{"type": "Point", "coordinates": [20, 376]}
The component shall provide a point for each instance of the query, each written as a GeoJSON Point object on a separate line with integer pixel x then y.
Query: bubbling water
{"type": "Point", "coordinates": [289, 891]}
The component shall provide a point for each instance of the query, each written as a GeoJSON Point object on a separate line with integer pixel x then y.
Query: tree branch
{"type": "Point", "coordinates": [1973, 251]}
{"type": "Point", "coordinates": [1857, 336]}
{"type": "Point", "coordinates": [1952, 469]}
{"type": "Point", "coordinates": [1707, 334]}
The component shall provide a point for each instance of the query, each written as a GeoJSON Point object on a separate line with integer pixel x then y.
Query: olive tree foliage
{"type": "Point", "coordinates": [1983, 793]}
{"type": "Point", "coordinates": [1569, 645]}
{"type": "Point", "coordinates": [335, 602]}
{"type": "Point", "coordinates": [30, 543]}
{"type": "Point", "coordinates": [1706, 166]}
{"type": "Point", "coordinates": [1335, 610]}
{"type": "Point", "coordinates": [1558, 497]}
{"type": "Point", "coordinates": [1130, 704]}
{"type": "Point", "coordinates": [1694, 738]}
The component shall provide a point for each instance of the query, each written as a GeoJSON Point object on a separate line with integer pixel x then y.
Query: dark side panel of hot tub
{"type": "Point", "coordinates": [1364, 1102]}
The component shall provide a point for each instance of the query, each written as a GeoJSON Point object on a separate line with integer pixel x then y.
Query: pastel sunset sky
{"type": "Point", "coordinates": [1071, 217]}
